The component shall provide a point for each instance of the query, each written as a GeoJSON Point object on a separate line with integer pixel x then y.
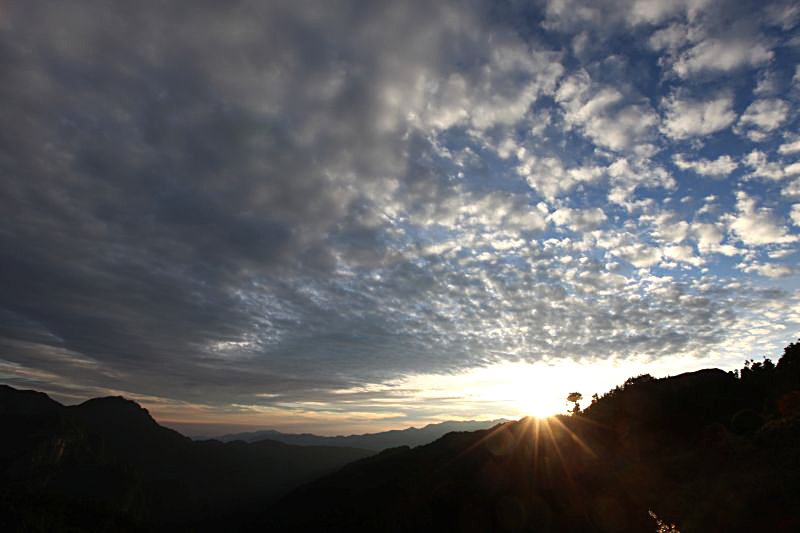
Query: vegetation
{"type": "Point", "coordinates": [574, 398]}
{"type": "Point", "coordinates": [106, 465]}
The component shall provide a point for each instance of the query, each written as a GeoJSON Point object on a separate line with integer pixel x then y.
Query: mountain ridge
{"type": "Point", "coordinates": [701, 451]}
{"type": "Point", "coordinates": [107, 461]}
{"type": "Point", "coordinates": [411, 436]}
{"type": "Point", "coordinates": [706, 451]}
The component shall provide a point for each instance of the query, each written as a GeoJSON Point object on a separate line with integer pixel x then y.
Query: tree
{"type": "Point", "coordinates": [575, 397]}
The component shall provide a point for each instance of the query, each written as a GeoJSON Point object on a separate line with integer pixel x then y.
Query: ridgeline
{"type": "Point", "coordinates": [705, 451]}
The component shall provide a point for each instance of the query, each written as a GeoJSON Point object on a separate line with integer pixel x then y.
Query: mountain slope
{"type": "Point", "coordinates": [369, 441]}
{"type": "Point", "coordinates": [107, 465]}
{"type": "Point", "coordinates": [708, 451]}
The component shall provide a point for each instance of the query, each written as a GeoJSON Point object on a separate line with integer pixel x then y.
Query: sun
{"type": "Point", "coordinates": [525, 389]}
{"type": "Point", "coordinates": [536, 401]}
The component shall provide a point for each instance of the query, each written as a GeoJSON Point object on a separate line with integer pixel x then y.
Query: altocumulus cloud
{"type": "Point", "coordinates": [267, 202]}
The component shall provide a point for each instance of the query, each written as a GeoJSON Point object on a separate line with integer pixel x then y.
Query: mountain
{"type": "Point", "coordinates": [106, 465]}
{"type": "Point", "coordinates": [370, 441]}
{"type": "Point", "coordinates": [703, 451]}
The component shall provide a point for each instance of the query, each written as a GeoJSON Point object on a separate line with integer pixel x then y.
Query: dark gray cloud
{"type": "Point", "coordinates": [178, 177]}
{"type": "Point", "coordinates": [208, 201]}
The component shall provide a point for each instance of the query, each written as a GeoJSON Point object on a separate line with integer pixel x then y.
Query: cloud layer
{"type": "Point", "coordinates": [264, 202]}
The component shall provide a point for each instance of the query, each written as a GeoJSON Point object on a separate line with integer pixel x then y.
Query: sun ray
{"type": "Point", "coordinates": [585, 447]}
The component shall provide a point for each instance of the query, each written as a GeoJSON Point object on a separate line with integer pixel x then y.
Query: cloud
{"type": "Point", "coordinates": [763, 167]}
{"type": "Point", "coordinates": [684, 253]}
{"type": "Point", "coordinates": [638, 254]}
{"type": "Point", "coordinates": [792, 188]}
{"type": "Point", "coordinates": [795, 214]}
{"type": "Point", "coordinates": [722, 55]}
{"type": "Point", "coordinates": [767, 84]}
{"type": "Point", "coordinates": [785, 14]}
{"type": "Point", "coordinates": [762, 117]}
{"type": "Point", "coordinates": [212, 168]}
{"type": "Point", "coordinates": [567, 15]}
{"type": "Point", "coordinates": [258, 206]}
{"type": "Point", "coordinates": [578, 219]}
{"type": "Point", "coordinates": [547, 175]}
{"type": "Point", "coordinates": [604, 114]}
{"type": "Point", "coordinates": [722, 166]}
{"type": "Point", "coordinates": [670, 38]}
{"type": "Point", "coordinates": [791, 147]}
{"type": "Point", "coordinates": [628, 175]}
{"type": "Point", "coordinates": [501, 92]}
{"type": "Point", "coordinates": [709, 239]}
{"type": "Point", "coordinates": [757, 226]}
{"type": "Point", "coordinates": [769, 270]}
{"type": "Point", "coordinates": [793, 169]}
{"type": "Point", "coordinates": [685, 118]}
{"type": "Point", "coordinates": [672, 232]}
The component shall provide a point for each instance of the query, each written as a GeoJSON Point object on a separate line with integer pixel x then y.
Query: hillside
{"type": "Point", "coordinates": [106, 465]}
{"type": "Point", "coordinates": [707, 451]}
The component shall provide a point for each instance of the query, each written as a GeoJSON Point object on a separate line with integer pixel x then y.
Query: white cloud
{"type": "Point", "coordinates": [639, 255]}
{"type": "Point", "coordinates": [795, 214]}
{"type": "Point", "coordinates": [722, 166]}
{"type": "Point", "coordinates": [547, 175]}
{"type": "Point", "coordinates": [674, 233]}
{"type": "Point", "coordinates": [769, 270]}
{"type": "Point", "coordinates": [501, 93]}
{"type": "Point", "coordinates": [785, 15]}
{"type": "Point", "coordinates": [578, 219]}
{"type": "Point", "coordinates": [626, 175]}
{"type": "Point", "coordinates": [780, 253]}
{"type": "Point", "coordinates": [792, 169]}
{"type": "Point", "coordinates": [670, 38]}
{"type": "Point", "coordinates": [718, 55]}
{"type": "Point", "coordinates": [604, 114]}
{"type": "Point", "coordinates": [668, 228]}
{"type": "Point", "coordinates": [762, 117]}
{"type": "Point", "coordinates": [791, 147]}
{"type": "Point", "coordinates": [684, 118]}
{"type": "Point", "coordinates": [709, 239]}
{"type": "Point", "coordinates": [792, 189]}
{"type": "Point", "coordinates": [656, 11]}
{"type": "Point", "coordinates": [683, 253]}
{"type": "Point", "coordinates": [757, 226]}
{"type": "Point", "coordinates": [480, 213]}
{"type": "Point", "coordinates": [763, 167]}
{"type": "Point", "coordinates": [767, 83]}
{"type": "Point", "coordinates": [567, 15]}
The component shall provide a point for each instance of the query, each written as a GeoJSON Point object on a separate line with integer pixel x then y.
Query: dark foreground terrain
{"type": "Point", "coordinates": [708, 451]}
{"type": "Point", "coordinates": [106, 465]}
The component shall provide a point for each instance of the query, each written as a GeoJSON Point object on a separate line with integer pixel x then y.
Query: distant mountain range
{"type": "Point", "coordinates": [370, 441]}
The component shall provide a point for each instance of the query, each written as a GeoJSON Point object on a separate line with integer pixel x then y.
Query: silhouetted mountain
{"type": "Point", "coordinates": [106, 465]}
{"type": "Point", "coordinates": [369, 441]}
{"type": "Point", "coordinates": [25, 402]}
{"type": "Point", "coordinates": [707, 451]}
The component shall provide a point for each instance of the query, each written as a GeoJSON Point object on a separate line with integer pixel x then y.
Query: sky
{"type": "Point", "coordinates": [345, 216]}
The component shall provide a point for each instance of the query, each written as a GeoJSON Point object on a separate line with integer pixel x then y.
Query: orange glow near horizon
{"type": "Point", "coordinates": [505, 389]}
